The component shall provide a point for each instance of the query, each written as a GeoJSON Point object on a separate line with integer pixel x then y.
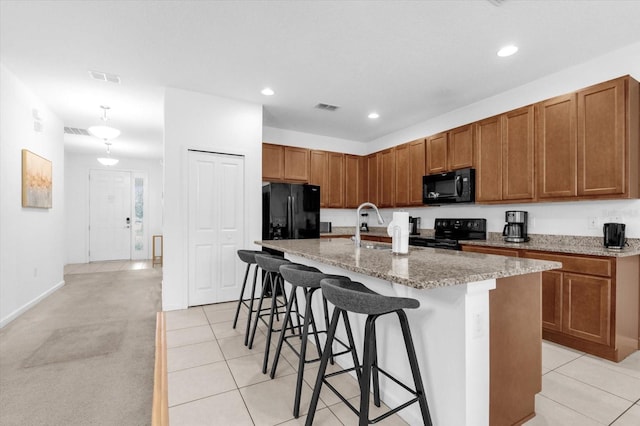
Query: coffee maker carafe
{"type": "Point", "coordinates": [515, 230]}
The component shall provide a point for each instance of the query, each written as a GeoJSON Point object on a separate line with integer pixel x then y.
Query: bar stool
{"type": "Point", "coordinates": [248, 257]}
{"type": "Point", "coordinates": [308, 279]}
{"type": "Point", "coordinates": [355, 297]}
{"type": "Point", "coordinates": [271, 265]}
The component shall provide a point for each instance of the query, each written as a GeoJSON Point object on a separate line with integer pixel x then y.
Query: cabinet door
{"type": "Point", "coordinates": [387, 173]}
{"type": "Point", "coordinates": [372, 166]}
{"type": "Point", "coordinates": [488, 153]}
{"type": "Point", "coordinates": [517, 154]}
{"type": "Point", "coordinates": [363, 180]}
{"type": "Point", "coordinates": [296, 164]}
{"type": "Point", "coordinates": [437, 153]}
{"type": "Point", "coordinates": [601, 139]}
{"type": "Point", "coordinates": [491, 250]}
{"type": "Point", "coordinates": [460, 153]}
{"type": "Point", "coordinates": [556, 152]}
{"type": "Point", "coordinates": [417, 159]}
{"type": "Point", "coordinates": [352, 184]}
{"type": "Point", "coordinates": [552, 300]}
{"type": "Point", "coordinates": [272, 162]}
{"type": "Point", "coordinates": [318, 174]}
{"type": "Point", "coordinates": [403, 171]}
{"type": "Point", "coordinates": [335, 169]}
{"type": "Point", "coordinates": [586, 307]}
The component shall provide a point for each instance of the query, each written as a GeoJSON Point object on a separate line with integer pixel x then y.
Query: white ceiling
{"type": "Point", "coordinates": [407, 60]}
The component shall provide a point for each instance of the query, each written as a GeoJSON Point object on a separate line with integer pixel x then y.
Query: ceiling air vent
{"type": "Point", "coordinates": [105, 76]}
{"type": "Point", "coordinates": [497, 2]}
{"type": "Point", "coordinates": [76, 131]}
{"type": "Point", "coordinates": [326, 107]}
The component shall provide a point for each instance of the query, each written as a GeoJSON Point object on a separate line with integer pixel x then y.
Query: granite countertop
{"type": "Point", "coordinates": [571, 244]}
{"type": "Point", "coordinates": [562, 244]}
{"type": "Point", "coordinates": [422, 268]}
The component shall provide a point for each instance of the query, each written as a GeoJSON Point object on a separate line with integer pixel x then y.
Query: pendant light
{"type": "Point", "coordinates": [106, 133]}
{"type": "Point", "coordinates": [108, 160]}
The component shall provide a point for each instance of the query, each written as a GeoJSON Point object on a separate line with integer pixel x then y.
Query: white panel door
{"type": "Point", "coordinates": [216, 212]}
{"type": "Point", "coordinates": [109, 215]}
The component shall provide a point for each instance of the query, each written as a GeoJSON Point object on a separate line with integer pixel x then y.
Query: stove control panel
{"type": "Point", "coordinates": [461, 229]}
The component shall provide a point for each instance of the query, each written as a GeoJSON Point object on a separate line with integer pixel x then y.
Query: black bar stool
{"type": "Point", "coordinates": [248, 257]}
{"type": "Point", "coordinates": [308, 279]}
{"type": "Point", "coordinates": [355, 297]}
{"type": "Point", "coordinates": [273, 283]}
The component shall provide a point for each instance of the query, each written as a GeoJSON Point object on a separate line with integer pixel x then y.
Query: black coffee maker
{"type": "Point", "coordinates": [614, 235]}
{"type": "Point", "coordinates": [515, 230]}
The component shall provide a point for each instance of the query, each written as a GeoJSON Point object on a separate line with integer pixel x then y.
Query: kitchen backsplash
{"type": "Point", "coordinates": [583, 218]}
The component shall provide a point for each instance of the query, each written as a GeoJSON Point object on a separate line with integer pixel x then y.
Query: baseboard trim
{"type": "Point", "coordinates": [160, 408]}
{"type": "Point", "coordinates": [24, 308]}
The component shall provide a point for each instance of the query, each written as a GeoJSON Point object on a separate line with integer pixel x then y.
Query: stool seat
{"type": "Point", "coordinates": [305, 276]}
{"type": "Point", "coordinates": [270, 262]}
{"type": "Point", "coordinates": [249, 256]}
{"type": "Point", "coordinates": [355, 297]}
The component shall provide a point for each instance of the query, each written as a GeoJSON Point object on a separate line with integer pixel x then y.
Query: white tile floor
{"type": "Point", "coordinates": [215, 379]}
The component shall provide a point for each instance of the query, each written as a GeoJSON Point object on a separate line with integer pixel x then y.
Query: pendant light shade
{"type": "Point", "coordinates": [108, 161]}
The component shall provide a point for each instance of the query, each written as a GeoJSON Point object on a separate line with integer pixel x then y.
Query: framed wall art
{"type": "Point", "coordinates": [37, 181]}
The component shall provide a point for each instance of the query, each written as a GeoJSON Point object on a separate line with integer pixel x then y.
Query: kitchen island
{"type": "Point", "coordinates": [477, 332]}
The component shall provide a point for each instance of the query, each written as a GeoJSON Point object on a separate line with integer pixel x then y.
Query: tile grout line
{"type": "Point", "coordinates": [623, 413]}
{"type": "Point", "coordinates": [593, 386]}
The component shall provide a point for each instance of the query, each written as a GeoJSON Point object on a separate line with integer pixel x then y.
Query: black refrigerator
{"type": "Point", "coordinates": [290, 211]}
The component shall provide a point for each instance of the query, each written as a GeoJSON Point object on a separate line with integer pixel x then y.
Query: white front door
{"type": "Point", "coordinates": [216, 224]}
{"type": "Point", "coordinates": [109, 215]}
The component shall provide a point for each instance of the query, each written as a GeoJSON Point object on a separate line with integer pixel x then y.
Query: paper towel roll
{"type": "Point", "coordinates": [398, 230]}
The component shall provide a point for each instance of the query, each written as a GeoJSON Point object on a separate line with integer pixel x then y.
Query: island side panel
{"type": "Point", "coordinates": [515, 348]}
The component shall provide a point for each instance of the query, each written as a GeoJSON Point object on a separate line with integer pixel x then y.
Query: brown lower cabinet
{"type": "Point", "coordinates": [590, 304]}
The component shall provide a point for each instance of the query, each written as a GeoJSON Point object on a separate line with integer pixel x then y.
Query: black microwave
{"type": "Point", "coordinates": [448, 188]}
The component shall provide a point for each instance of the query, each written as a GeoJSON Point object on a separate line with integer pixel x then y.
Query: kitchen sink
{"type": "Point", "coordinates": [375, 246]}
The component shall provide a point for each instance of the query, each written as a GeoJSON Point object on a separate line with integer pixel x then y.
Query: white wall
{"type": "Point", "coordinates": [569, 218]}
{"type": "Point", "coordinates": [207, 123]}
{"type": "Point", "coordinates": [77, 168]}
{"type": "Point", "coordinates": [31, 240]}
{"type": "Point", "coordinates": [309, 140]}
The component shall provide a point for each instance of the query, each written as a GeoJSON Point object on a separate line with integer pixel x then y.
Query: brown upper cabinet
{"type": "Point", "coordinates": [517, 154]}
{"type": "Point", "coordinates": [356, 183]}
{"type": "Point", "coordinates": [450, 150]}
{"type": "Point", "coordinates": [410, 168]}
{"type": "Point", "coordinates": [504, 157]}
{"type": "Point", "coordinates": [373, 191]}
{"type": "Point", "coordinates": [318, 174]}
{"type": "Point", "coordinates": [335, 168]}
{"type": "Point", "coordinates": [608, 127]}
{"type": "Point", "coordinates": [284, 163]}
{"type": "Point", "coordinates": [387, 178]}
{"type": "Point", "coordinates": [327, 171]}
{"type": "Point", "coordinates": [556, 142]}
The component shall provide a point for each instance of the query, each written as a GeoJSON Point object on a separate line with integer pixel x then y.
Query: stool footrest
{"type": "Point", "coordinates": [384, 415]}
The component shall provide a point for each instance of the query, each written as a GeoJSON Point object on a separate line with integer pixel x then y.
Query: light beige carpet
{"type": "Point", "coordinates": [84, 355]}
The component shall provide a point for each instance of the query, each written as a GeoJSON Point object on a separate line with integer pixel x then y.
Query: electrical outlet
{"type": "Point", "coordinates": [592, 222]}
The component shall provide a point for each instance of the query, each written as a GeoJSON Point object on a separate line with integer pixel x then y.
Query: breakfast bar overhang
{"type": "Point", "coordinates": [477, 331]}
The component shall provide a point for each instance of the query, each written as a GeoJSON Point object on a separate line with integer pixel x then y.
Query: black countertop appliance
{"type": "Point", "coordinates": [614, 235]}
{"type": "Point", "coordinates": [448, 233]}
{"type": "Point", "coordinates": [515, 230]}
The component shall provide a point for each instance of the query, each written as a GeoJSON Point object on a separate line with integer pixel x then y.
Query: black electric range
{"type": "Point", "coordinates": [448, 233]}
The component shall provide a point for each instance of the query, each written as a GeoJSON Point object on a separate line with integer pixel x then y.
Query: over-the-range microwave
{"type": "Point", "coordinates": [448, 188]}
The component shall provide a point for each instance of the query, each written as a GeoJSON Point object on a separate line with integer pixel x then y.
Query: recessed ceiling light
{"type": "Point", "coordinates": [507, 50]}
{"type": "Point", "coordinates": [374, 115]}
{"type": "Point", "coordinates": [267, 91]}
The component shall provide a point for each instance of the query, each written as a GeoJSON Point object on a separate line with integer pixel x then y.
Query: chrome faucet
{"type": "Point", "coordinates": [360, 207]}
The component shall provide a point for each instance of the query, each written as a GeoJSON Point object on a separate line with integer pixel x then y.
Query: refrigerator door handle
{"type": "Point", "coordinates": [289, 217]}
